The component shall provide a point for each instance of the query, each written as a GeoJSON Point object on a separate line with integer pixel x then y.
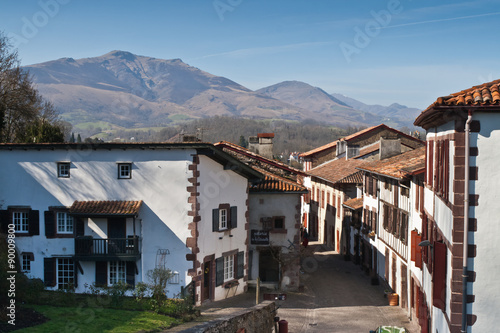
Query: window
{"type": "Point", "coordinates": [117, 272]}
{"type": "Point", "coordinates": [124, 170]}
{"type": "Point", "coordinates": [26, 259]}
{"type": "Point", "coordinates": [65, 273]}
{"type": "Point", "coordinates": [64, 223]}
{"type": "Point", "coordinates": [279, 222]}
{"type": "Point", "coordinates": [222, 219]}
{"type": "Point", "coordinates": [20, 220]}
{"type": "Point", "coordinates": [174, 279]}
{"type": "Point", "coordinates": [63, 169]}
{"type": "Point", "coordinates": [228, 268]}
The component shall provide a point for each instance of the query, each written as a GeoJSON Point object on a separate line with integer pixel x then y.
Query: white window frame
{"type": "Point", "coordinates": [228, 268]}
{"type": "Point", "coordinates": [65, 224]}
{"type": "Point", "coordinates": [124, 170]}
{"type": "Point", "coordinates": [26, 263]}
{"type": "Point", "coordinates": [20, 219]}
{"type": "Point", "coordinates": [174, 279]}
{"type": "Point", "coordinates": [65, 273]}
{"type": "Point", "coordinates": [63, 169]}
{"type": "Point", "coordinates": [117, 272]}
{"type": "Point", "coordinates": [223, 219]}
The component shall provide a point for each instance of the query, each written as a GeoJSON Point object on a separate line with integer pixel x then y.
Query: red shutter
{"type": "Point", "coordinates": [418, 252]}
{"type": "Point", "coordinates": [424, 236]}
{"type": "Point", "coordinates": [431, 164]}
{"type": "Point", "coordinates": [439, 276]}
{"type": "Point", "coordinates": [413, 245]}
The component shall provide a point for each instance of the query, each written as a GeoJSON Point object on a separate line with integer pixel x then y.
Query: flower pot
{"type": "Point", "coordinates": [393, 299]}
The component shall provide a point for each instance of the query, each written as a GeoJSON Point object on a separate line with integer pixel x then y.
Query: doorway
{"type": "Point", "coordinates": [269, 267]}
{"type": "Point", "coordinates": [207, 280]}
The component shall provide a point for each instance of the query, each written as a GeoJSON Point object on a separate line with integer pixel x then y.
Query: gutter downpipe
{"type": "Point", "coordinates": [465, 274]}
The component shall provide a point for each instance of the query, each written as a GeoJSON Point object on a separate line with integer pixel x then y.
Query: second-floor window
{"type": "Point", "coordinates": [222, 219]}
{"type": "Point", "coordinates": [63, 169]}
{"type": "Point", "coordinates": [20, 220]}
{"type": "Point", "coordinates": [64, 223]}
{"type": "Point", "coordinates": [124, 170]}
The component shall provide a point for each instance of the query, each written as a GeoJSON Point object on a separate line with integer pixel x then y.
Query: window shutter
{"type": "Point", "coordinates": [233, 219]}
{"type": "Point", "coordinates": [413, 245]}
{"type": "Point", "coordinates": [219, 271]}
{"type": "Point", "coordinates": [75, 273]}
{"type": "Point", "coordinates": [130, 273]}
{"type": "Point", "coordinates": [49, 271]}
{"type": "Point", "coordinates": [439, 278]}
{"type": "Point", "coordinates": [418, 252]}
{"type": "Point", "coordinates": [50, 224]}
{"type": "Point", "coordinates": [101, 273]}
{"type": "Point", "coordinates": [79, 227]}
{"type": "Point", "coordinates": [34, 222]}
{"type": "Point", "coordinates": [215, 219]}
{"type": "Point", "coordinates": [240, 262]}
{"type": "Point", "coordinates": [4, 221]}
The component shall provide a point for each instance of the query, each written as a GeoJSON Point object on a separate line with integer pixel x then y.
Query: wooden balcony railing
{"type": "Point", "coordinates": [88, 248]}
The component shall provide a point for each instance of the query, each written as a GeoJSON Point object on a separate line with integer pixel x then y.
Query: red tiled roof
{"type": "Point", "coordinates": [339, 171]}
{"type": "Point", "coordinates": [114, 208]}
{"type": "Point", "coordinates": [481, 96]}
{"type": "Point", "coordinates": [265, 135]}
{"type": "Point", "coordinates": [399, 166]}
{"type": "Point", "coordinates": [356, 203]}
{"type": "Point", "coordinates": [274, 183]}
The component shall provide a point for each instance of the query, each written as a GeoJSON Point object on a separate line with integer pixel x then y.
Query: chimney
{"type": "Point", "coordinates": [262, 144]}
{"type": "Point", "coordinates": [389, 148]}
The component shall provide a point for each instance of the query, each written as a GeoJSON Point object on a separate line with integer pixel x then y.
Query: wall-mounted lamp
{"type": "Point", "coordinates": [425, 243]}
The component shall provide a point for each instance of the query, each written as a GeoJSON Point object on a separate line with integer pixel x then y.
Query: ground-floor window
{"type": "Point", "coordinates": [65, 273]}
{"type": "Point", "coordinates": [228, 268]}
{"type": "Point", "coordinates": [117, 272]}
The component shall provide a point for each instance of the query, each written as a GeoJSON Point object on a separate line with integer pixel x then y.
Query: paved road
{"type": "Point", "coordinates": [337, 297]}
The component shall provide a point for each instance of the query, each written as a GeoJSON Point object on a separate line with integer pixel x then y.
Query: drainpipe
{"type": "Point", "coordinates": [466, 224]}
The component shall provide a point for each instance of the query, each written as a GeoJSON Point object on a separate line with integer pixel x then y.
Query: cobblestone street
{"type": "Point", "coordinates": [337, 297]}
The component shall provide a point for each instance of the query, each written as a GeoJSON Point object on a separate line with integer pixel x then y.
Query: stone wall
{"type": "Point", "coordinates": [257, 319]}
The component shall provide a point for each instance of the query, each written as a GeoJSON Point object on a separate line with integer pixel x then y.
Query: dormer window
{"type": "Point", "coordinates": [63, 169]}
{"type": "Point", "coordinates": [124, 170]}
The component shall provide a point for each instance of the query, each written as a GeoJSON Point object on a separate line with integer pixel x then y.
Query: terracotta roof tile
{"type": "Point", "coordinates": [274, 183]}
{"type": "Point", "coordinates": [399, 166]}
{"type": "Point", "coordinates": [356, 203]}
{"type": "Point", "coordinates": [118, 208]}
{"type": "Point", "coordinates": [339, 171]}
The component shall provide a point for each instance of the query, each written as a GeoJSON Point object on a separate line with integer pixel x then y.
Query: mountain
{"type": "Point", "coordinates": [396, 112]}
{"type": "Point", "coordinates": [127, 90]}
{"type": "Point", "coordinates": [324, 106]}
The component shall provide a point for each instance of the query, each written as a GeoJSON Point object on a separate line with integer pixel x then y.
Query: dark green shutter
{"type": "Point", "coordinates": [215, 219]}
{"type": "Point", "coordinates": [34, 222]}
{"type": "Point", "coordinates": [240, 261]}
{"type": "Point", "coordinates": [219, 271]}
{"type": "Point", "coordinates": [50, 224]}
{"type": "Point", "coordinates": [233, 217]}
{"type": "Point", "coordinates": [49, 271]}
{"type": "Point", "coordinates": [4, 221]}
{"type": "Point", "coordinates": [131, 273]}
{"type": "Point", "coordinates": [101, 273]}
{"type": "Point", "coordinates": [79, 226]}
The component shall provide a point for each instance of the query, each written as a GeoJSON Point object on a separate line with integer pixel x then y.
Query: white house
{"type": "Point", "coordinates": [110, 212]}
{"type": "Point", "coordinates": [461, 210]}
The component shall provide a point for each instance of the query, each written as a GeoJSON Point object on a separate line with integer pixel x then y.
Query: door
{"type": "Point", "coordinates": [117, 235]}
{"type": "Point", "coordinates": [269, 267]}
{"type": "Point", "coordinates": [207, 280]}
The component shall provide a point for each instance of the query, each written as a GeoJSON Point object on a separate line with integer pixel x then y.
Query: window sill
{"type": "Point", "coordinates": [231, 283]}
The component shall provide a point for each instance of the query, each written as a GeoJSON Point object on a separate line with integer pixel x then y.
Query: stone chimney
{"type": "Point", "coordinates": [262, 144]}
{"type": "Point", "coordinates": [389, 148]}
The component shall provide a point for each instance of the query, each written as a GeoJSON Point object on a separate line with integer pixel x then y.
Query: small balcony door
{"type": "Point", "coordinates": [117, 235]}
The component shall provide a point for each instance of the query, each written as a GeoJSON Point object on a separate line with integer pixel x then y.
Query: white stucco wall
{"type": "Point", "coordinates": [159, 178]}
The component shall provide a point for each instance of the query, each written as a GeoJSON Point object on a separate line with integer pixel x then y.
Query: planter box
{"type": "Point", "coordinates": [393, 299]}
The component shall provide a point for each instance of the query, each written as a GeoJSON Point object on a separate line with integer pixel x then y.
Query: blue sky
{"type": "Point", "coordinates": [378, 52]}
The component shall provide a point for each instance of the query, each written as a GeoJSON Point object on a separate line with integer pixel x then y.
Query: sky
{"type": "Point", "coordinates": [378, 52]}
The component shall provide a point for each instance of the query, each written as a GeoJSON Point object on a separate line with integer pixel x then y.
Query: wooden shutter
{"type": "Point", "coordinates": [215, 219]}
{"type": "Point", "coordinates": [130, 271]}
{"type": "Point", "coordinates": [240, 264]}
{"type": "Point", "coordinates": [49, 272]}
{"type": "Point", "coordinates": [219, 271]}
{"type": "Point", "coordinates": [430, 157]}
{"type": "Point", "coordinates": [418, 251]}
{"type": "Point", "coordinates": [4, 221]}
{"type": "Point", "coordinates": [79, 227]}
{"type": "Point", "coordinates": [413, 239]}
{"type": "Point", "coordinates": [439, 275]}
{"type": "Point", "coordinates": [233, 217]}
{"type": "Point", "coordinates": [101, 273]}
{"type": "Point", "coordinates": [424, 236]}
{"type": "Point", "coordinates": [34, 222]}
{"type": "Point", "coordinates": [50, 224]}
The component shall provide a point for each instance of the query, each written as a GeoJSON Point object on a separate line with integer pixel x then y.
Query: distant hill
{"type": "Point", "coordinates": [126, 90]}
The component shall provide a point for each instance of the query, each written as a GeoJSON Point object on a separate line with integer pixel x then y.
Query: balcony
{"type": "Point", "coordinates": [107, 249]}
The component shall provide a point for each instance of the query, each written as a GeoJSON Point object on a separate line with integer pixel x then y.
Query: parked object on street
{"type": "Point", "coordinates": [389, 329]}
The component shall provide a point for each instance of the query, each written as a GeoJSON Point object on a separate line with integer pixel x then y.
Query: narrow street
{"type": "Point", "coordinates": [337, 297]}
